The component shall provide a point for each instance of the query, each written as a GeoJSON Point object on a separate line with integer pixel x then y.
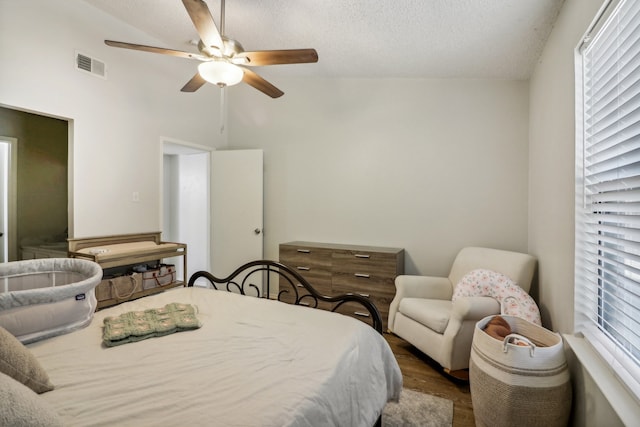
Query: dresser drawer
{"type": "Point", "coordinates": [357, 311]}
{"type": "Point", "coordinates": [365, 263]}
{"type": "Point", "coordinates": [307, 261]}
{"type": "Point", "coordinates": [305, 255]}
{"type": "Point", "coordinates": [321, 282]}
{"type": "Point", "coordinates": [379, 290]}
{"type": "Point", "coordinates": [361, 283]}
{"type": "Point", "coordinates": [313, 264]}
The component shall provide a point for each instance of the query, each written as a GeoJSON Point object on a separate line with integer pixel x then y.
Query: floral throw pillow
{"type": "Point", "coordinates": [514, 301]}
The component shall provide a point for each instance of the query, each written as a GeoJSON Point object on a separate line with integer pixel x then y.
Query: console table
{"type": "Point", "coordinates": [122, 251]}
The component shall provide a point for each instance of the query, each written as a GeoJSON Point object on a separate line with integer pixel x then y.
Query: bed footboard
{"type": "Point", "coordinates": [258, 278]}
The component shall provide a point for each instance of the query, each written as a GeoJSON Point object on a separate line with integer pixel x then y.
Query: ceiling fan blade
{"type": "Point", "coordinates": [153, 49]}
{"type": "Point", "coordinates": [273, 57]}
{"type": "Point", "coordinates": [203, 21]}
{"type": "Point", "coordinates": [253, 79]}
{"type": "Point", "coordinates": [194, 84]}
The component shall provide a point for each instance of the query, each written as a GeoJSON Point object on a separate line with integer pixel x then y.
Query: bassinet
{"type": "Point", "coordinates": [41, 298]}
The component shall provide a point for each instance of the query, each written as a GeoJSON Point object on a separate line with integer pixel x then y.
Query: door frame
{"type": "Point", "coordinates": [12, 199]}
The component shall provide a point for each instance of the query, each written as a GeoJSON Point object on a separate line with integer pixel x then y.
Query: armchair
{"type": "Point", "coordinates": [423, 314]}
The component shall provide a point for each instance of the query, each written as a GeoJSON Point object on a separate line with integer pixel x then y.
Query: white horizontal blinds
{"type": "Point", "coordinates": [608, 238]}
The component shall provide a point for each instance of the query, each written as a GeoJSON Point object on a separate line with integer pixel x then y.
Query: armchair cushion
{"type": "Point", "coordinates": [432, 313]}
{"type": "Point", "coordinates": [513, 299]}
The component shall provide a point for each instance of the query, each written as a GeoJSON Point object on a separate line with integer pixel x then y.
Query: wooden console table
{"type": "Point", "coordinates": [128, 250]}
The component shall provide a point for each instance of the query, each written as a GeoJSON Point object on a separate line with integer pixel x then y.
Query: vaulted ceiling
{"type": "Point", "coordinates": [499, 39]}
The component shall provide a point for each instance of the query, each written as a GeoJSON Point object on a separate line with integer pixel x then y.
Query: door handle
{"type": "Point", "coordinates": [257, 231]}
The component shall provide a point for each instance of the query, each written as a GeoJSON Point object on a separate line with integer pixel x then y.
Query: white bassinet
{"type": "Point", "coordinates": [41, 298]}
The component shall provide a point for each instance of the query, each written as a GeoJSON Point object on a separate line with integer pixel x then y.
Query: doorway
{"type": "Point", "coordinates": [8, 198]}
{"type": "Point", "coordinates": [213, 202]}
{"type": "Point", "coordinates": [185, 202]}
{"type": "Point", "coordinates": [40, 211]}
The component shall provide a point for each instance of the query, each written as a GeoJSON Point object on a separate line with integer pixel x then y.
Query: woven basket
{"type": "Point", "coordinates": [119, 288]}
{"type": "Point", "coordinates": [519, 385]}
{"type": "Point", "coordinates": [164, 275]}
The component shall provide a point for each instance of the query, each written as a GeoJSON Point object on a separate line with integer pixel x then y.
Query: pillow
{"type": "Point", "coordinates": [20, 406]}
{"type": "Point", "coordinates": [17, 362]}
{"type": "Point", "coordinates": [514, 301]}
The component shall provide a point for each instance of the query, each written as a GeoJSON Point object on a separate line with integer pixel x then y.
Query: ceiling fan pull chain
{"type": "Point", "coordinates": [222, 18]}
{"type": "Point", "coordinates": [223, 88]}
{"type": "Point", "coordinates": [223, 116]}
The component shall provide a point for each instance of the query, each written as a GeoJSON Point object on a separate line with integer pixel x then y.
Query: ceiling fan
{"type": "Point", "coordinates": [224, 61]}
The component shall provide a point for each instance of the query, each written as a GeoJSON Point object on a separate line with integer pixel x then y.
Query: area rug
{"type": "Point", "coordinates": [417, 409]}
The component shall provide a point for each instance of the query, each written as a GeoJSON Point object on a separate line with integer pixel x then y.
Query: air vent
{"type": "Point", "coordinates": [90, 65]}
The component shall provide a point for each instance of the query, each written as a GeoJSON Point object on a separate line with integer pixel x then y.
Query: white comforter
{"type": "Point", "coordinates": [254, 362]}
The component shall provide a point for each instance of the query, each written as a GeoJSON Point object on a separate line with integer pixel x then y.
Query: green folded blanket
{"type": "Point", "coordinates": [139, 325]}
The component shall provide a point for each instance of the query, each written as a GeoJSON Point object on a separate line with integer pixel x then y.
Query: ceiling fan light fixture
{"type": "Point", "coordinates": [220, 73]}
{"type": "Point", "coordinates": [224, 62]}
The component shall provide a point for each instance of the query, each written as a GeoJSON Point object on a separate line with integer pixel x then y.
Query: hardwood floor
{"type": "Point", "coordinates": [421, 373]}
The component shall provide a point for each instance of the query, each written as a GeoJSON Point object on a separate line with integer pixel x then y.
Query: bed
{"type": "Point", "coordinates": [254, 361]}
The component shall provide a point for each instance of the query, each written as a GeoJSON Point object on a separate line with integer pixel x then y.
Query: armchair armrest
{"type": "Point", "coordinates": [474, 308]}
{"type": "Point", "coordinates": [407, 286]}
{"type": "Point", "coordinates": [424, 287]}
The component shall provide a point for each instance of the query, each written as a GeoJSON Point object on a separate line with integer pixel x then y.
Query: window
{"type": "Point", "coordinates": [607, 291]}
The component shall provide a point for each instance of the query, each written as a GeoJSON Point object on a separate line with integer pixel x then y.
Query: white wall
{"type": "Point", "coordinates": [426, 165]}
{"type": "Point", "coordinates": [552, 162]}
{"type": "Point", "coordinates": [116, 123]}
{"type": "Point", "coordinates": [552, 190]}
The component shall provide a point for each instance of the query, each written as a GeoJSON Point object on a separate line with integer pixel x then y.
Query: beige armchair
{"type": "Point", "coordinates": [423, 314]}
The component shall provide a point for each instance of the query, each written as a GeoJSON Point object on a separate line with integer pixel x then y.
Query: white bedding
{"type": "Point", "coordinates": [254, 362]}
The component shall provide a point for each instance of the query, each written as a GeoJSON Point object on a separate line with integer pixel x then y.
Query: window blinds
{"type": "Point", "coordinates": [608, 203]}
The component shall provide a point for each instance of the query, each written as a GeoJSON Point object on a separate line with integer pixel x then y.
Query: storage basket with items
{"type": "Point", "coordinates": [518, 374]}
{"type": "Point", "coordinates": [118, 285]}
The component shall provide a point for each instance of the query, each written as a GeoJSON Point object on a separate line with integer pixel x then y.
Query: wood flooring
{"type": "Point", "coordinates": [421, 373]}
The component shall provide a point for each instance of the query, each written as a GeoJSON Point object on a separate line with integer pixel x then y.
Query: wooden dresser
{"type": "Point", "coordinates": [334, 269]}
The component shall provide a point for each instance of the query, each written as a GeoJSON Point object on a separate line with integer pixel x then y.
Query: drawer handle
{"type": "Point", "coordinates": [362, 256]}
{"type": "Point", "coordinates": [303, 268]}
{"type": "Point", "coordinates": [364, 295]}
{"type": "Point", "coordinates": [362, 275]}
{"type": "Point", "coordinates": [361, 314]}
{"type": "Point", "coordinates": [304, 251]}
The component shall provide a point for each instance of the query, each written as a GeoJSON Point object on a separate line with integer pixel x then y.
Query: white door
{"type": "Point", "coordinates": [237, 205]}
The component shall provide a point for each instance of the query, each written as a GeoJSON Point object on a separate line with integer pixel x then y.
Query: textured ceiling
{"type": "Point", "coordinates": [367, 38]}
